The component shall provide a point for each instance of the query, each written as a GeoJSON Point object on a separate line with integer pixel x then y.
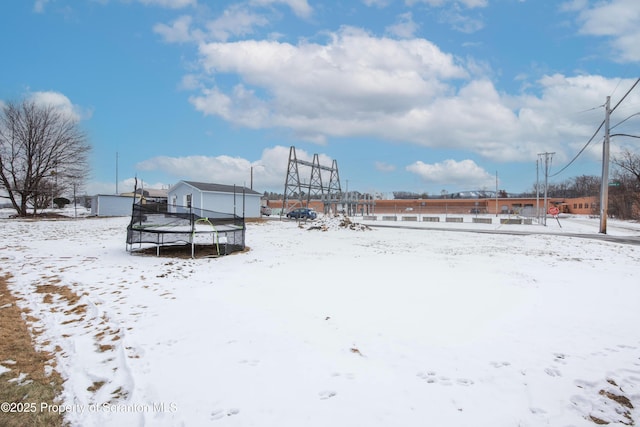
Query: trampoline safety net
{"type": "Point", "coordinates": [224, 232]}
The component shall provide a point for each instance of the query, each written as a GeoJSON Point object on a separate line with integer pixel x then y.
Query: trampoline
{"type": "Point", "coordinates": [224, 233]}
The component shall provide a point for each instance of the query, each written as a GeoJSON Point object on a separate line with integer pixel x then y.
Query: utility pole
{"type": "Point", "coordinates": [547, 165]}
{"type": "Point", "coordinates": [117, 174]}
{"type": "Point", "coordinates": [604, 185]}
{"type": "Point", "coordinates": [538, 190]}
{"type": "Point", "coordinates": [496, 193]}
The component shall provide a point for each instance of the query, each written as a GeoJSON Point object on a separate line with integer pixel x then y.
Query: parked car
{"type": "Point", "coordinates": [302, 213]}
{"type": "Point", "coordinates": [265, 210]}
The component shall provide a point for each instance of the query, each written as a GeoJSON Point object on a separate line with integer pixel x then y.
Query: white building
{"type": "Point", "coordinates": [229, 199]}
{"type": "Point", "coordinates": [111, 205]}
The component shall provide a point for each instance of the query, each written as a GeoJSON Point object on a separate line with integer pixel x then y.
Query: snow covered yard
{"type": "Point", "coordinates": [384, 327]}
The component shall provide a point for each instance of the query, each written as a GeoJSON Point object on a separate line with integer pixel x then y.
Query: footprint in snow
{"type": "Point", "coordinates": [500, 364]}
{"type": "Point", "coordinates": [464, 382]}
{"type": "Point", "coordinates": [347, 375]}
{"type": "Point", "coordinates": [429, 377]}
{"type": "Point", "coordinates": [553, 372]}
{"type": "Point", "coordinates": [560, 358]}
{"type": "Point", "coordinates": [326, 394]}
{"type": "Point", "coordinates": [628, 347]}
{"type": "Point", "coordinates": [221, 413]}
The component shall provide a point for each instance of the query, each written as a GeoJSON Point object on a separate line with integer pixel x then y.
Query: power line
{"type": "Point", "coordinates": [591, 109]}
{"type": "Point", "coordinates": [597, 130]}
{"type": "Point", "coordinates": [625, 95]}
{"type": "Point", "coordinates": [579, 152]}
{"type": "Point", "coordinates": [618, 124]}
{"type": "Point", "coordinates": [625, 134]}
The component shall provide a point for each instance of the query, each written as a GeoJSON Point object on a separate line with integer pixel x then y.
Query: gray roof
{"type": "Point", "coordinates": [152, 192]}
{"type": "Point", "coordinates": [220, 188]}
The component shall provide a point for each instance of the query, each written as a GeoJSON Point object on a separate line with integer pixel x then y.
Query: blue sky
{"type": "Point", "coordinates": [415, 95]}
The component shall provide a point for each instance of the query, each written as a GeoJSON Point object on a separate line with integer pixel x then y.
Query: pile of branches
{"type": "Point", "coordinates": [338, 223]}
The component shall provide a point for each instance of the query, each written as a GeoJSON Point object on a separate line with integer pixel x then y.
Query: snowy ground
{"type": "Point", "coordinates": [381, 327]}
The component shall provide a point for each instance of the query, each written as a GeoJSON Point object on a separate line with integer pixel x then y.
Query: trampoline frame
{"type": "Point", "coordinates": [164, 229]}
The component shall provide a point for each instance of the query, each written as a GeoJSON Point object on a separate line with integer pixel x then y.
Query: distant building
{"type": "Point", "coordinates": [111, 205]}
{"type": "Point", "coordinates": [150, 195]}
{"type": "Point", "coordinates": [526, 206]}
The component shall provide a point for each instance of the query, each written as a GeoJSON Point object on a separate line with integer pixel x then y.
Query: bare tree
{"type": "Point", "coordinates": [629, 162]}
{"type": "Point", "coordinates": [624, 192]}
{"type": "Point", "coordinates": [585, 185]}
{"type": "Point", "coordinates": [581, 186]}
{"type": "Point", "coordinates": [624, 196]}
{"type": "Point", "coordinates": [42, 153]}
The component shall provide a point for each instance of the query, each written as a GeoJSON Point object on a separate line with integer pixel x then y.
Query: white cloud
{"type": "Point", "coordinates": [39, 5]}
{"type": "Point", "coordinates": [574, 5]}
{"type": "Point", "coordinates": [178, 32]}
{"type": "Point", "coordinates": [342, 88]}
{"type": "Point", "coordinates": [221, 169]}
{"type": "Point", "coordinates": [237, 20]}
{"type": "Point", "coordinates": [461, 22]}
{"type": "Point", "coordinates": [357, 85]}
{"type": "Point", "coordinates": [619, 20]}
{"type": "Point", "coordinates": [474, 3]}
{"type": "Point", "coordinates": [377, 3]}
{"type": "Point", "coordinates": [170, 4]}
{"type": "Point", "coordinates": [126, 185]}
{"type": "Point", "coordinates": [405, 26]}
{"type": "Point", "coordinates": [456, 3]}
{"type": "Point", "coordinates": [93, 188]}
{"type": "Point", "coordinates": [230, 107]}
{"type": "Point", "coordinates": [61, 103]}
{"type": "Point", "coordinates": [269, 172]}
{"type": "Point", "coordinates": [384, 167]}
{"type": "Point", "coordinates": [456, 13]}
{"type": "Point", "coordinates": [300, 8]}
{"type": "Point", "coordinates": [464, 174]}
{"type": "Point", "coordinates": [189, 82]}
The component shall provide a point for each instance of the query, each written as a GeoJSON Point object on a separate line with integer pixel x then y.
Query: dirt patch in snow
{"type": "Point", "coordinates": [27, 379]}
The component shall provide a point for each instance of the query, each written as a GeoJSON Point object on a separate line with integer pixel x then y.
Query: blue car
{"type": "Point", "coordinates": [302, 213]}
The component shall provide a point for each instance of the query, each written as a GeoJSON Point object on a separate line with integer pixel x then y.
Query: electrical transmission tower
{"type": "Point", "coordinates": [301, 193]}
{"type": "Point", "coordinates": [334, 192]}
